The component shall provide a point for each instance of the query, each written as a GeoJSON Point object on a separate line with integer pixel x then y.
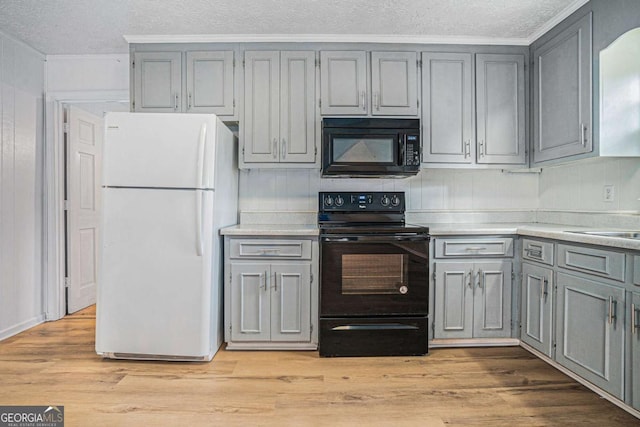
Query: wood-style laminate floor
{"type": "Point", "coordinates": [55, 364]}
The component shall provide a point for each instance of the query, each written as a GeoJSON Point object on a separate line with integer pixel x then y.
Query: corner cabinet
{"type": "Point", "coordinates": [271, 293]}
{"type": "Point", "coordinates": [348, 88]}
{"type": "Point", "coordinates": [279, 120]}
{"type": "Point", "coordinates": [473, 297]}
{"type": "Point", "coordinates": [208, 79]}
{"type": "Point", "coordinates": [473, 124]}
{"type": "Point", "coordinates": [562, 98]}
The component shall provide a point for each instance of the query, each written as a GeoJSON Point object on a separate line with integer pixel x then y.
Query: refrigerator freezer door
{"type": "Point", "coordinates": [155, 289]}
{"type": "Point", "coordinates": [159, 150]}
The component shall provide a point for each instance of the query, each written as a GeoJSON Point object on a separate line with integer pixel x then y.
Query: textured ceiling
{"type": "Point", "coordinates": [97, 26]}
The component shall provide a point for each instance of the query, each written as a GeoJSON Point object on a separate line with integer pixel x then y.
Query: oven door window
{"type": "Point", "coordinates": [364, 150]}
{"type": "Point", "coordinates": [374, 274]}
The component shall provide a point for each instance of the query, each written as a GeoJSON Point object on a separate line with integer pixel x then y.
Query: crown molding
{"type": "Point", "coordinates": [324, 38]}
{"type": "Point", "coordinates": [556, 20]}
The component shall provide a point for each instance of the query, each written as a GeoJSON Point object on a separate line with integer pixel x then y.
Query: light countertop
{"type": "Point", "coordinates": [542, 230]}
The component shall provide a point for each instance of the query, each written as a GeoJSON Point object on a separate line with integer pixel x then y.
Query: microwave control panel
{"type": "Point", "coordinates": [412, 150]}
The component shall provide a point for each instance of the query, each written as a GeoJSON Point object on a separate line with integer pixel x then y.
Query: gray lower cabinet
{"type": "Point", "coordinates": [270, 302]}
{"type": "Point", "coordinates": [635, 349]}
{"type": "Point", "coordinates": [562, 96]}
{"type": "Point", "coordinates": [469, 120]}
{"type": "Point", "coordinates": [590, 331]}
{"type": "Point", "coordinates": [473, 299]}
{"type": "Point", "coordinates": [537, 307]}
{"type": "Point", "coordinates": [279, 121]}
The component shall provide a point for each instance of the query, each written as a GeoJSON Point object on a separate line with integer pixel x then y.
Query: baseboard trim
{"type": "Point", "coordinates": [271, 346]}
{"type": "Point", "coordinates": [21, 327]}
{"type": "Point", "coordinates": [474, 342]}
{"type": "Point", "coordinates": [619, 403]}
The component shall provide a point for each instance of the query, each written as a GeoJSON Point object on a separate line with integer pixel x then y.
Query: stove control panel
{"type": "Point", "coordinates": [387, 201]}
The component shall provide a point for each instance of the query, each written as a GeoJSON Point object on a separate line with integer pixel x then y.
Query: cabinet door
{"type": "Point", "coordinates": [343, 82]}
{"type": "Point", "coordinates": [562, 94]}
{"type": "Point", "coordinates": [250, 302]}
{"type": "Point", "coordinates": [500, 109]}
{"type": "Point", "coordinates": [590, 331]}
{"type": "Point", "coordinates": [635, 351]}
{"type": "Point", "coordinates": [537, 302]}
{"type": "Point", "coordinates": [454, 300]}
{"type": "Point", "coordinates": [291, 302]}
{"type": "Point", "coordinates": [492, 300]}
{"type": "Point", "coordinates": [261, 122]}
{"type": "Point", "coordinates": [210, 82]}
{"type": "Point", "coordinates": [157, 81]}
{"type": "Point", "coordinates": [394, 83]}
{"type": "Point", "coordinates": [447, 108]}
{"type": "Point", "coordinates": [297, 107]}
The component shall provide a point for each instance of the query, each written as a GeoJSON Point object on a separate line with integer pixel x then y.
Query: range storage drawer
{"type": "Point", "coordinates": [598, 262]}
{"type": "Point", "coordinates": [474, 247]}
{"type": "Point", "coordinates": [536, 250]}
{"type": "Point", "coordinates": [256, 248]}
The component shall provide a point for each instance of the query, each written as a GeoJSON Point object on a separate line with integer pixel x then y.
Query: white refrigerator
{"type": "Point", "coordinates": [170, 183]}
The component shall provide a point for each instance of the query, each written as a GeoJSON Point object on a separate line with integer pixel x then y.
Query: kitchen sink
{"type": "Point", "coordinates": [620, 234]}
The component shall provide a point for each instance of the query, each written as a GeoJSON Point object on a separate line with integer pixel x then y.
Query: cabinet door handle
{"type": "Point", "coordinates": [543, 288]}
{"type": "Point", "coordinates": [376, 100]}
{"type": "Point", "coordinates": [583, 134]}
{"type": "Point", "coordinates": [467, 149]}
{"type": "Point", "coordinates": [480, 284]}
{"type": "Point", "coordinates": [481, 146]}
{"type": "Point", "coordinates": [263, 276]}
{"type": "Point", "coordinates": [275, 282]}
{"type": "Point", "coordinates": [634, 319]}
{"type": "Point", "coordinates": [613, 306]}
{"type": "Point", "coordinates": [175, 103]}
{"type": "Point", "coordinates": [189, 101]}
{"type": "Point", "coordinates": [363, 96]}
{"type": "Point", "coordinates": [275, 148]}
{"type": "Point", "coordinates": [470, 282]}
{"type": "Point", "coordinates": [284, 148]}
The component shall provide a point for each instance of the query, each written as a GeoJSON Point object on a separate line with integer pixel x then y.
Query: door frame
{"type": "Point", "coordinates": [54, 256]}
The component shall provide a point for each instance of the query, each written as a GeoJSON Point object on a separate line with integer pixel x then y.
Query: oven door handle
{"type": "Point", "coordinates": [369, 327]}
{"type": "Point", "coordinates": [376, 239]}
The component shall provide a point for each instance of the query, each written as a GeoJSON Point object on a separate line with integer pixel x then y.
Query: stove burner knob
{"type": "Point", "coordinates": [339, 201]}
{"type": "Point", "coordinates": [395, 200]}
{"type": "Point", "coordinates": [328, 201]}
{"type": "Point", "coordinates": [385, 200]}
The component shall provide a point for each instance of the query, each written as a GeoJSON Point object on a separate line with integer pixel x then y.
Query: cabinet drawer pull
{"type": "Point", "coordinates": [475, 248]}
{"type": "Point", "coordinates": [534, 253]}
{"type": "Point", "coordinates": [613, 306]}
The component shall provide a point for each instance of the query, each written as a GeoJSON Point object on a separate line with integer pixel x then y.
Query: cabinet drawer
{"type": "Point", "coordinates": [535, 250]}
{"type": "Point", "coordinates": [252, 249]}
{"type": "Point", "coordinates": [592, 261]}
{"type": "Point", "coordinates": [636, 270]}
{"type": "Point", "coordinates": [476, 247]}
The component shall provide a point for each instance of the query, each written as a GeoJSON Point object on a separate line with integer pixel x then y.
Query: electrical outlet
{"type": "Point", "coordinates": [609, 193]}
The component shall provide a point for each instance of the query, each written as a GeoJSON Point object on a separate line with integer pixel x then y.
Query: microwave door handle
{"type": "Point", "coordinates": [402, 139]}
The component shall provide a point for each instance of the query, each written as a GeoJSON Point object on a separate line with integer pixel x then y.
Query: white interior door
{"type": "Point", "coordinates": [84, 163]}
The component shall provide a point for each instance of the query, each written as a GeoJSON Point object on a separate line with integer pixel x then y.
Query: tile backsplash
{"type": "Point", "coordinates": [579, 186]}
{"type": "Point", "coordinates": [430, 190]}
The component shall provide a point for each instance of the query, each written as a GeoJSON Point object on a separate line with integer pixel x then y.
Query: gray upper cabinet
{"type": "Point", "coordinates": [347, 87]}
{"type": "Point", "coordinates": [208, 78]}
{"type": "Point", "coordinates": [500, 109]}
{"type": "Point", "coordinates": [470, 124]}
{"type": "Point", "coordinates": [343, 82]}
{"type": "Point", "coordinates": [279, 123]}
{"type": "Point", "coordinates": [210, 82]}
{"type": "Point", "coordinates": [562, 98]}
{"type": "Point", "coordinates": [394, 83]}
{"type": "Point", "coordinates": [590, 331]}
{"type": "Point", "coordinates": [157, 82]}
{"type": "Point", "coordinates": [447, 108]}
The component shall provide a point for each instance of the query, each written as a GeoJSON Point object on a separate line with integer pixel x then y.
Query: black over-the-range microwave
{"type": "Point", "coordinates": [370, 147]}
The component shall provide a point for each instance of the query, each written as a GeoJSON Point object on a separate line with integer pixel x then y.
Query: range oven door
{"type": "Point", "coordinates": [374, 275]}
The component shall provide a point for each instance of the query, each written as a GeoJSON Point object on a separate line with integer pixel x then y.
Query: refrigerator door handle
{"type": "Point", "coordinates": [199, 248]}
{"type": "Point", "coordinates": [201, 152]}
